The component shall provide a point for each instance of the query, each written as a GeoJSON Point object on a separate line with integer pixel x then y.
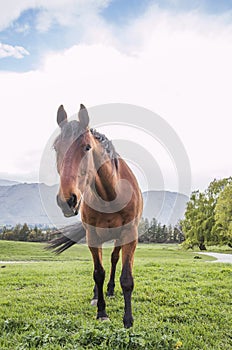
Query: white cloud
{"type": "Point", "coordinates": [12, 51]}
{"type": "Point", "coordinates": [176, 65]}
{"type": "Point", "coordinates": [11, 10]}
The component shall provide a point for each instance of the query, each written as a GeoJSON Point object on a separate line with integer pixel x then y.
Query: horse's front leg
{"type": "Point", "coordinates": [114, 260]}
{"type": "Point", "coordinates": [95, 296]}
{"type": "Point", "coordinates": [99, 277]}
{"type": "Point", "coordinates": [127, 282]}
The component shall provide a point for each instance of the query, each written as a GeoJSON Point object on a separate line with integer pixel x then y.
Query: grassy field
{"type": "Point", "coordinates": [179, 302]}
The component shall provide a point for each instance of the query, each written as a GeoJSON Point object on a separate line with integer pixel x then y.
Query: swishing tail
{"type": "Point", "coordinates": [70, 235]}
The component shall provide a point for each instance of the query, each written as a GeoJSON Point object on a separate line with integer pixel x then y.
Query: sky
{"type": "Point", "coordinates": [172, 57]}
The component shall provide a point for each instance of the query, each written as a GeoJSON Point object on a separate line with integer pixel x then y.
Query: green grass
{"type": "Point", "coordinates": [178, 302]}
{"type": "Point", "coordinates": [21, 251]}
{"type": "Point", "coordinates": [220, 249]}
{"type": "Point", "coordinates": [225, 249]}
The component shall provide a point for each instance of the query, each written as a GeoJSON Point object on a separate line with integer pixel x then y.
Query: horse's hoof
{"type": "Point", "coordinates": [128, 325]}
{"type": "Point", "coordinates": [110, 293]}
{"type": "Point", "coordinates": [93, 302]}
{"type": "Point", "coordinates": [105, 318]}
{"type": "Point", "coordinates": [112, 296]}
{"type": "Point", "coordinates": [128, 322]}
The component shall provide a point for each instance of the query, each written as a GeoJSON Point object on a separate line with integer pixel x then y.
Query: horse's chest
{"type": "Point", "coordinates": [103, 220]}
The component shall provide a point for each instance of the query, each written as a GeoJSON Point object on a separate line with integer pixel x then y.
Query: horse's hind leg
{"type": "Point", "coordinates": [127, 282]}
{"type": "Point", "coordinates": [99, 277]}
{"type": "Point", "coordinates": [114, 260]}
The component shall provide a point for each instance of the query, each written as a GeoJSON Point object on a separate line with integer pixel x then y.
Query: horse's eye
{"type": "Point", "coordinates": [87, 147]}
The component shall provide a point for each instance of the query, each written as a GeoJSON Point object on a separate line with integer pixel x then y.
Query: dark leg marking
{"type": "Point", "coordinates": [127, 282]}
{"type": "Point", "coordinates": [99, 277]}
{"type": "Point", "coordinates": [114, 260]}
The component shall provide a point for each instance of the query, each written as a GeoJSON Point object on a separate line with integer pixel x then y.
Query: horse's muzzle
{"type": "Point", "coordinates": [70, 207]}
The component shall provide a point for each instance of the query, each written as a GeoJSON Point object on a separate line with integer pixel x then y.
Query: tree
{"type": "Point", "coordinates": [9, 236]}
{"type": "Point", "coordinates": [170, 238]}
{"type": "Point", "coordinates": [223, 216]}
{"type": "Point", "coordinates": [153, 231]}
{"type": "Point", "coordinates": [178, 235]}
{"type": "Point", "coordinates": [23, 233]}
{"type": "Point", "coordinates": [143, 230]}
{"type": "Point", "coordinates": [195, 217]}
{"type": "Point", "coordinates": [199, 222]}
{"type": "Point", "coordinates": [16, 232]}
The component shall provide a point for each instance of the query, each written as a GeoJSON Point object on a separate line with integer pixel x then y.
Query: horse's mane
{"type": "Point", "coordinates": [107, 146]}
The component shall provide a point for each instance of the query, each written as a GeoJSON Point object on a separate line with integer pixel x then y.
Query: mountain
{"type": "Point", "coordinates": [4, 182]}
{"type": "Point", "coordinates": [35, 204]}
{"type": "Point", "coordinates": [167, 207]}
{"type": "Point", "coordinates": [21, 203]}
{"type": "Point", "coordinates": [32, 203]}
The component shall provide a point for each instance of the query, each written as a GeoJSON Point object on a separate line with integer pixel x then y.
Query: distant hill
{"type": "Point", "coordinates": [167, 207]}
{"type": "Point", "coordinates": [20, 203]}
{"type": "Point", "coordinates": [4, 182]}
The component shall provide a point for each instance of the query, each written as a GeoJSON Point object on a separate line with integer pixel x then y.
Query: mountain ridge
{"type": "Point", "coordinates": [35, 204]}
{"type": "Point", "coordinates": [5, 182]}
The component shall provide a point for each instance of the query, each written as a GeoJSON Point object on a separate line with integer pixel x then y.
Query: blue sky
{"type": "Point", "coordinates": [172, 57]}
{"type": "Point", "coordinates": [23, 30]}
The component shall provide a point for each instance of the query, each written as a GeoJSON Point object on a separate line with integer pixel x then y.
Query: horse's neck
{"type": "Point", "coordinates": [110, 192]}
{"type": "Point", "coordinates": [105, 178]}
{"type": "Point", "coordinates": [105, 182]}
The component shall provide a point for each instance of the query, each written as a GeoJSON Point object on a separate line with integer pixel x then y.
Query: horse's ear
{"type": "Point", "coordinates": [61, 116]}
{"type": "Point", "coordinates": [83, 116]}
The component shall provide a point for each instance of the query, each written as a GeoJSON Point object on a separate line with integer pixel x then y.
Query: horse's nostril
{"type": "Point", "coordinates": [72, 201]}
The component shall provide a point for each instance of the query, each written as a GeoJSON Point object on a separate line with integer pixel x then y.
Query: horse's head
{"type": "Point", "coordinates": [73, 147]}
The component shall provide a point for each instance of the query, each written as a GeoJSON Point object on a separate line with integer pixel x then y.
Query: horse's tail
{"type": "Point", "coordinates": [67, 237]}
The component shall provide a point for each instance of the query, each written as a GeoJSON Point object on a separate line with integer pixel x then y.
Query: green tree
{"type": "Point", "coordinates": [143, 230]}
{"type": "Point", "coordinates": [16, 232]}
{"type": "Point", "coordinates": [178, 235]}
{"type": "Point", "coordinates": [32, 237]}
{"type": "Point", "coordinates": [152, 232]}
{"type": "Point", "coordinates": [199, 222]}
{"type": "Point", "coordinates": [23, 233]}
{"type": "Point", "coordinates": [223, 216]}
{"type": "Point", "coordinates": [195, 217]}
{"type": "Point", "coordinates": [163, 235]}
{"type": "Point", "coordinates": [9, 236]}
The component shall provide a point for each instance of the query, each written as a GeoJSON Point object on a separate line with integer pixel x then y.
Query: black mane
{"type": "Point", "coordinates": [107, 145]}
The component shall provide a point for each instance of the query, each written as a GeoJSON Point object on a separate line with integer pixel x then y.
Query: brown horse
{"type": "Point", "coordinates": [97, 182]}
